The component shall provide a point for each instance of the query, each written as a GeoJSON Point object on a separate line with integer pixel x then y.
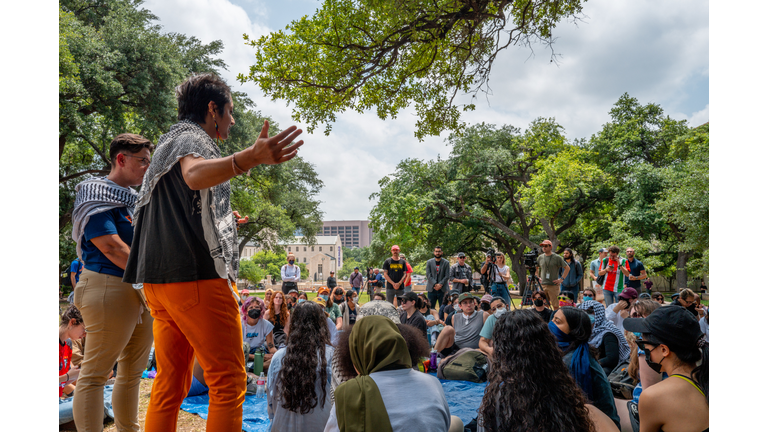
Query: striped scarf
{"type": "Point", "coordinates": [603, 327]}
{"type": "Point", "coordinates": [97, 195]}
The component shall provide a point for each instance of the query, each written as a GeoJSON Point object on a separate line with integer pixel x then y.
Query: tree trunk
{"type": "Point", "coordinates": [681, 275]}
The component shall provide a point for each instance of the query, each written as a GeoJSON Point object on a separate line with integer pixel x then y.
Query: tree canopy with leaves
{"type": "Point", "coordinates": [388, 55]}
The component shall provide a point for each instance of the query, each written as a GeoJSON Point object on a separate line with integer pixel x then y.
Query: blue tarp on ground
{"type": "Point", "coordinates": [463, 397]}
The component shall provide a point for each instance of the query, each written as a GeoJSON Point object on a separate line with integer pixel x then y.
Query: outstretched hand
{"type": "Point", "coordinates": [277, 149]}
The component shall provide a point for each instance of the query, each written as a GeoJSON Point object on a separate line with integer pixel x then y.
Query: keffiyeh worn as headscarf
{"type": "Point", "coordinates": [604, 326]}
{"type": "Point", "coordinates": [97, 195]}
{"type": "Point", "coordinates": [219, 226]}
{"type": "Point", "coordinates": [375, 344]}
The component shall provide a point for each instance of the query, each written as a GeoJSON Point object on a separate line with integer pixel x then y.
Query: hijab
{"type": "Point", "coordinates": [375, 344]}
{"type": "Point", "coordinates": [603, 327]}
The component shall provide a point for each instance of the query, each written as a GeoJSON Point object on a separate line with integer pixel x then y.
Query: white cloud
{"type": "Point", "coordinates": [656, 54]}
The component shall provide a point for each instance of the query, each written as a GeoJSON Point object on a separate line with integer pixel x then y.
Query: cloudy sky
{"type": "Point", "coordinates": [655, 53]}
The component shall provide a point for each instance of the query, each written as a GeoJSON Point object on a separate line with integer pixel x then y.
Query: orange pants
{"type": "Point", "coordinates": [196, 319]}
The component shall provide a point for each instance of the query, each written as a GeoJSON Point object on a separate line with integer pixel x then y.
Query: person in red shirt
{"type": "Point", "coordinates": [408, 271]}
{"type": "Point", "coordinates": [71, 328]}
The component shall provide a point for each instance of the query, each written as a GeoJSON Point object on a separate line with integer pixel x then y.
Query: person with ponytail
{"type": "Point", "coordinates": [673, 343]}
{"type": "Point", "coordinates": [572, 329]}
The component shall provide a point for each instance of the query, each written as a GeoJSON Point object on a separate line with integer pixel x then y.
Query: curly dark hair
{"type": "Point", "coordinates": [194, 94]}
{"type": "Point", "coordinates": [414, 340]}
{"type": "Point", "coordinates": [529, 382]}
{"type": "Point", "coordinates": [305, 347]}
{"type": "Point", "coordinates": [71, 312]}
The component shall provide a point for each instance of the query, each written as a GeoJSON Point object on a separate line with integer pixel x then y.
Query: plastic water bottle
{"type": "Point", "coordinates": [261, 386]}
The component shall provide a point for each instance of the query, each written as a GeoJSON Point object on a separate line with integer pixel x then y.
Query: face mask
{"type": "Point", "coordinates": [538, 302]}
{"type": "Point", "coordinates": [254, 313]}
{"type": "Point", "coordinates": [355, 300]}
{"type": "Point", "coordinates": [655, 366]}
{"type": "Point", "coordinates": [638, 334]}
{"type": "Point", "coordinates": [500, 311]}
{"type": "Point", "coordinates": [485, 306]}
{"type": "Point", "coordinates": [290, 262]}
{"type": "Point", "coordinates": [301, 300]}
{"type": "Point", "coordinates": [591, 318]}
{"type": "Point", "coordinates": [324, 297]}
{"type": "Point", "coordinates": [456, 308]}
{"type": "Point", "coordinates": [338, 301]}
{"type": "Point", "coordinates": [587, 298]}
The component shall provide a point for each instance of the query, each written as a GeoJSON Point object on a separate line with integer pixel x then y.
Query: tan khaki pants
{"type": "Point", "coordinates": [111, 311]}
{"type": "Point", "coordinates": [552, 291]}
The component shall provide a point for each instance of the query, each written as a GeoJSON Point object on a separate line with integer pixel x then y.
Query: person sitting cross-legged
{"type": "Point", "coordinates": [462, 330]}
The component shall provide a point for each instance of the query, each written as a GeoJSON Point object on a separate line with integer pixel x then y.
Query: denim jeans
{"type": "Point", "coordinates": [65, 406]}
{"type": "Point", "coordinates": [610, 297]}
{"type": "Point", "coordinates": [573, 289]}
{"type": "Point", "coordinates": [499, 289]}
{"type": "Point", "coordinates": [435, 297]}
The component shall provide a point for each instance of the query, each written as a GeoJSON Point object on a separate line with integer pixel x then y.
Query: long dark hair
{"type": "Point", "coordinates": [305, 347]}
{"type": "Point", "coordinates": [528, 381]}
{"type": "Point", "coordinates": [581, 328]}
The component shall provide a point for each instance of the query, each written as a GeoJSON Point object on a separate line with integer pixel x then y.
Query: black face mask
{"type": "Point", "coordinates": [538, 302]}
{"type": "Point", "coordinates": [254, 313]}
{"type": "Point", "coordinates": [485, 306]}
{"type": "Point", "coordinates": [653, 365]}
{"type": "Point", "coordinates": [339, 301]}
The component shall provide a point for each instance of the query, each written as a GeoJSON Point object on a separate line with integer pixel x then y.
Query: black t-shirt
{"type": "Point", "coordinates": [395, 270]}
{"type": "Point", "coordinates": [634, 269]}
{"type": "Point", "coordinates": [546, 314]}
{"type": "Point", "coordinates": [168, 242]}
{"type": "Point", "coordinates": [417, 320]}
{"type": "Point", "coordinates": [352, 315]}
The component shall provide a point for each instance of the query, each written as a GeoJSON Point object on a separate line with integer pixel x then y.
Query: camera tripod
{"type": "Point", "coordinates": [533, 285]}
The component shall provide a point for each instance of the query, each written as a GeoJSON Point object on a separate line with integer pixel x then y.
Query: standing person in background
{"type": "Point", "coordinates": [331, 281]}
{"type": "Point", "coordinates": [290, 274]}
{"type": "Point", "coordinates": [74, 273]}
{"type": "Point", "coordinates": [438, 271]}
{"type": "Point", "coordinates": [501, 276]}
{"type": "Point", "coordinates": [394, 272]}
{"type": "Point", "coordinates": [615, 270]}
{"type": "Point", "coordinates": [119, 324]}
{"type": "Point", "coordinates": [548, 267]}
{"type": "Point", "coordinates": [185, 253]}
{"type": "Point", "coordinates": [356, 280]}
{"type": "Point", "coordinates": [648, 285]}
{"type": "Point", "coordinates": [636, 271]}
{"type": "Point", "coordinates": [573, 280]}
{"type": "Point", "coordinates": [460, 275]}
{"type": "Point", "coordinates": [408, 271]}
{"type": "Point", "coordinates": [594, 269]}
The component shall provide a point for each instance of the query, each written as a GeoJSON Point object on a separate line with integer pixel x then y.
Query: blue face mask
{"type": "Point", "coordinates": [301, 300]}
{"type": "Point", "coordinates": [591, 318]}
{"type": "Point", "coordinates": [588, 298]}
{"type": "Point", "coordinates": [290, 262]}
{"type": "Point", "coordinates": [638, 334]}
{"type": "Point", "coordinates": [324, 297]}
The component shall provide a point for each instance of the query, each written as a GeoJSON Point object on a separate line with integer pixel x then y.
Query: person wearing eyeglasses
{"type": "Point", "coordinates": [460, 275]}
{"type": "Point", "coordinates": [687, 300]}
{"type": "Point", "coordinates": [548, 267]}
{"type": "Point", "coordinates": [658, 297]}
{"type": "Point", "coordinates": [115, 313]}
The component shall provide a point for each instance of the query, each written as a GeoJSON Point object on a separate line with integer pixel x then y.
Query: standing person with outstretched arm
{"type": "Point", "coordinates": [394, 273]}
{"type": "Point", "coordinates": [185, 253]}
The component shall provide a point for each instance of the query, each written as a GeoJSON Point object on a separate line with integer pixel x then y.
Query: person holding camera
{"type": "Point", "coordinates": [615, 270]}
{"type": "Point", "coordinates": [548, 267]}
{"type": "Point", "coordinates": [499, 273]}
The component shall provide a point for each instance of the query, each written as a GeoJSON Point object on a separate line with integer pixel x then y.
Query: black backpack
{"type": "Point", "coordinates": [622, 384]}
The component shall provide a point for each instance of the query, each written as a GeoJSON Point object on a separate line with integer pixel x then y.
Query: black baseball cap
{"type": "Point", "coordinates": [671, 325]}
{"type": "Point", "coordinates": [410, 295]}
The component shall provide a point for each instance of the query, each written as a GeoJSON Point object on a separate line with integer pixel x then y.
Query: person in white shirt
{"type": "Point", "coordinates": [290, 274]}
{"type": "Point", "coordinates": [620, 310]}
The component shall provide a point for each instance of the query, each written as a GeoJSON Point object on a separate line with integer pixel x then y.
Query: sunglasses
{"type": "Point", "coordinates": [564, 298]}
{"type": "Point", "coordinates": [636, 315]}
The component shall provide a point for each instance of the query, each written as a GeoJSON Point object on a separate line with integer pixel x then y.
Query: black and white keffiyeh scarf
{"type": "Point", "coordinates": [604, 326]}
{"type": "Point", "coordinates": [94, 196]}
{"type": "Point", "coordinates": [219, 226]}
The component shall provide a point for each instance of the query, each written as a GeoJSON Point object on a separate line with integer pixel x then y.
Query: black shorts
{"type": "Point", "coordinates": [453, 349]}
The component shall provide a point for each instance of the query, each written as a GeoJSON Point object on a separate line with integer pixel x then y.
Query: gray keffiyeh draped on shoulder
{"type": "Point", "coordinates": [219, 226]}
{"type": "Point", "coordinates": [97, 195]}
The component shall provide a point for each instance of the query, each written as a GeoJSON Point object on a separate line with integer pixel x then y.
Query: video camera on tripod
{"type": "Point", "coordinates": [529, 260]}
{"type": "Point", "coordinates": [490, 275]}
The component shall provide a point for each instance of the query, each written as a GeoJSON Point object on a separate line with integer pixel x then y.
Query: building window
{"type": "Point", "coordinates": [305, 249]}
{"type": "Point", "coordinates": [321, 249]}
{"type": "Point", "coordinates": [305, 259]}
{"type": "Point", "coordinates": [312, 249]}
{"type": "Point", "coordinates": [289, 248]}
{"type": "Point", "coordinates": [320, 268]}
